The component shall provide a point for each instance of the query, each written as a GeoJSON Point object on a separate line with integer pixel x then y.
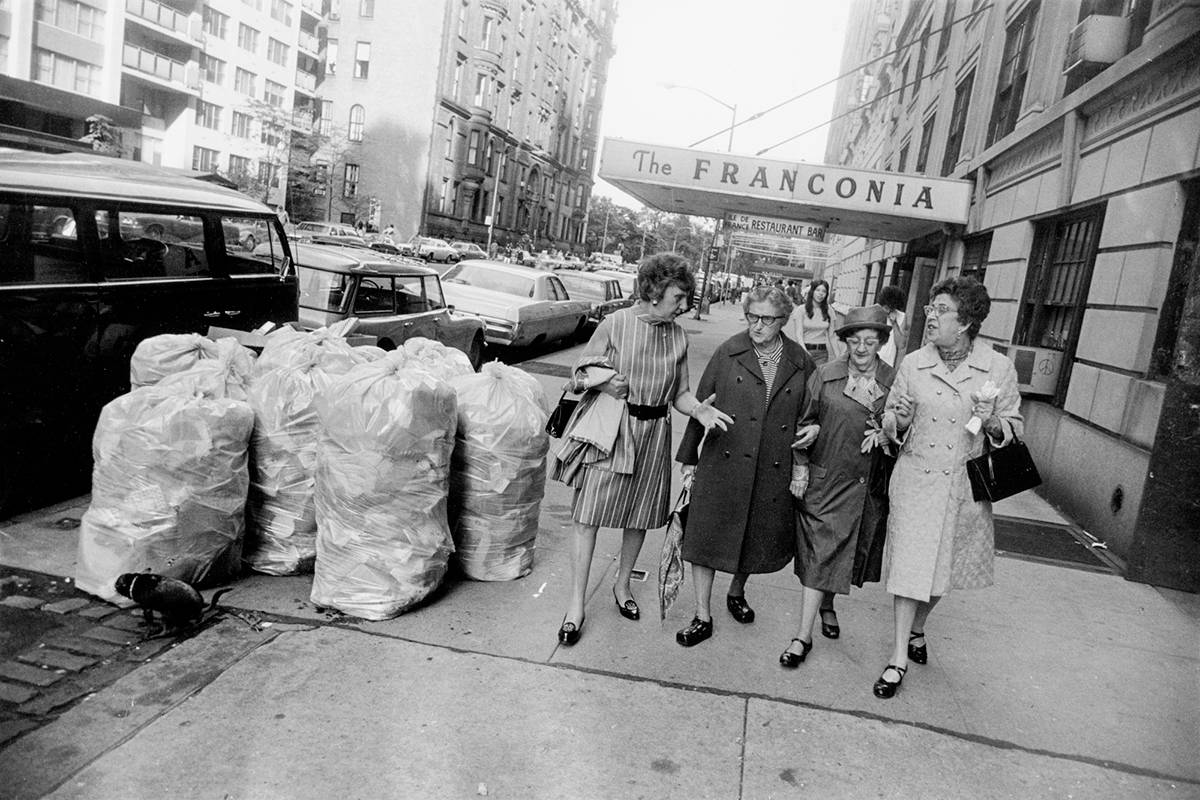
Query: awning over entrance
{"type": "Point", "coordinates": [858, 202]}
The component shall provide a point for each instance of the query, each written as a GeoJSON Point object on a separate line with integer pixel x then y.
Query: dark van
{"type": "Point", "coordinates": [97, 254]}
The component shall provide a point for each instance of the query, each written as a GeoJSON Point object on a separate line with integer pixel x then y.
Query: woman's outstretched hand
{"type": "Point", "coordinates": [805, 437]}
{"type": "Point", "coordinates": [710, 416]}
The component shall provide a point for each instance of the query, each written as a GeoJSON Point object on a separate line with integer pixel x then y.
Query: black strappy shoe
{"type": "Point", "coordinates": [629, 609]}
{"type": "Point", "coordinates": [792, 660]}
{"type": "Point", "coordinates": [886, 689]}
{"type": "Point", "coordinates": [569, 633]}
{"type": "Point", "coordinates": [917, 655]}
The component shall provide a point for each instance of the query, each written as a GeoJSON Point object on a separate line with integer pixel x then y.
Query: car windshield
{"type": "Point", "coordinates": [492, 279]}
{"type": "Point", "coordinates": [582, 288]}
{"type": "Point", "coordinates": [324, 291]}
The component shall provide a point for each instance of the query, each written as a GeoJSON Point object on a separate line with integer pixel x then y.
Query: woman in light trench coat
{"type": "Point", "coordinates": [938, 537]}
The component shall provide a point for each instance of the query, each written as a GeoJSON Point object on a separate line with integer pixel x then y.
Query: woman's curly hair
{"type": "Point", "coordinates": [659, 271]}
{"type": "Point", "coordinates": [973, 301]}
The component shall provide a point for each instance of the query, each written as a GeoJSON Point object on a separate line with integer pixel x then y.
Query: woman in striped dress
{"type": "Point", "coordinates": [631, 488]}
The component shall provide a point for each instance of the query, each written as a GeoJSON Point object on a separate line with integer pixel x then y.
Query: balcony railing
{"type": "Point", "coordinates": [306, 81]}
{"type": "Point", "coordinates": [163, 16]}
{"type": "Point", "coordinates": [312, 6]}
{"type": "Point", "coordinates": [155, 64]}
{"type": "Point", "coordinates": [309, 43]}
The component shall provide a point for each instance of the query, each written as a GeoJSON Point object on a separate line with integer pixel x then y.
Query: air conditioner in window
{"type": "Point", "coordinates": [1037, 368]}
{"type": "Point", "coordinates": [1097, 40]}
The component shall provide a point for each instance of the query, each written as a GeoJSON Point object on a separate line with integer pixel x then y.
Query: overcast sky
{"type": "Point", "coordinates": [749, 53]}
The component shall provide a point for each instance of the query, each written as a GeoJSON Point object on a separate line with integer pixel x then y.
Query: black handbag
{"type": "Point", "coordinates": [561, 415]}
{"type": "Point", "coordinates": [1002, 471]}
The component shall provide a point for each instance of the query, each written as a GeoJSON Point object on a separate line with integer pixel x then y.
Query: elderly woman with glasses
{"type": "Point", "coordinates": [741, 518]}
{"type": "Point", "coordinates": [843, 515]}
{"type": "Point", "coordinates": [947, 398]}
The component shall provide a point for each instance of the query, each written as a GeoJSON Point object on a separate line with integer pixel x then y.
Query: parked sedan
{"type": "Point", "coordinates": [307, 230]}
{"type": "Point", "coordinates": [434, 249]}
{"type": "Point", "coordinates": [628, 281]}
{"type": "Point", "coordinates": [393, 300]}
{"type": "Point", "coordinates": [468, 250]}
{"type": "Point", "coordinates": [601, 291]}
{"type": "Point", "coordinates": [520, 306]}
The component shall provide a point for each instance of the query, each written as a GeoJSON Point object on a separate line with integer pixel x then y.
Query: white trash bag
{"type": "Point", "coordinates": [499, 473]}
{"type": "Point", "coordinates": [281, 537]}
{"type": "Point", "coordinates": [171, 353]}
{"type": "Point", "coordinates": [383, 468]}
{"type": "Point", "coordinates": [445, 362]}
{"type": "Point", "coordinates": [169, 483]}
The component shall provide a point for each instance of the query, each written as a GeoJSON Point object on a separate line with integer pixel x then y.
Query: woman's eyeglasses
{"type": "Point", "coordinates": [939, 310]}
{"type": "Point", "coordinates": [765, 319]}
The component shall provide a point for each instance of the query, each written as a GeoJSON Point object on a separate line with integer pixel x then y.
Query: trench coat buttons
{"type": "Point", "coordinates": [727, 454]}
{"type": "Point", "coordinates": [862, 480]}
{"type": "Point", "coordinates": [945, 472]}
{"type": "Point", "coordinates": [934, 419]}
{"type": "Point", "coordinates": [926, 470]}
{"type": "Point", "coordinates": [933, 444]}
{"type": "Point", "coordinates": [783, 427]}
{"type": "Point", "coordinates": [787, 390]}
{"type": "Point", "coordinates": [939, 391]}
{"type": "Point", "coordinates": [776, 464]}
{"type": "Point", "coordinates": [954, 420]}
{"type": "Point", "coordinates": [949, 447]}
{"type": "Point", "coordinates": [739, 378]}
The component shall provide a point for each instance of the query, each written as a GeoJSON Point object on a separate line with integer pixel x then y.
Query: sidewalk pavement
{"type": "Point", "coordinates": [1055, 682]}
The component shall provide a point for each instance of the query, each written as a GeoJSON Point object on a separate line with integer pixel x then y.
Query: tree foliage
{"type": "Point", "coordinates": [614, 228]}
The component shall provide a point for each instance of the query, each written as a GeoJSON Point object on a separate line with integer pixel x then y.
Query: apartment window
{"type": "Point", "coordinates": [350, 181]}
{"type": "Point", "coordinates": [208, 115]}
{"type": "Point", "coordinates": [366, 8]}
{"type": "Point", "coordinates": [331, 55]}
{"type": "Point", "coordinates": [204, 159]}
{"type": "Point", "coordinates": [462, 19]}
{"type": "Point", "coordinates": [72, 16]}
{"type": "Point", "coordinates": [325, 123]}
{"type": "Point", "coordinates": [944, 36]}
{"type": "Point", "coordinates": [255, 4]}
{"type": "Point", "coordinates": [922, 51]}
{"type": "Point", "coordinates": [241, 125]}
{"type": "Point", "coordinates": [281, 11]}
{"type": "Point", "coordinates": [482, 84]}
{"type": "Point", "coordinates": [489, 27]}
{"type": "Point", "coordinates": [1057, 282]}
{"type": "Point", "coordinates": [239, 165]}
{"type": "Point", "coordinates": [459, 65]}
{"type": "Point", "coordinates": [362, 59]}
{"type": "Point", "coordinates": [213, 69]}
{"type": "Point", "coordinates": [243, 81]}
{"type": "Point", "coordinates": [247, 37]}
{"type": "Point", "coordinates": [335, 9]}
{"type": "Point", "coordinates": [975, 256]}
{"type": "Point", "coordinates": [902, 161]}
{"type": "Point", "coordinates": [58, 70]}
{"type": "Point", "coordinates": [449, 139]}
{"type": "Point", "coordinates": [358, 118]}
{"type": "Point", "coordinates": [277, 52]}
{"type": "Point", "coordinates": [489, 157]}
{"type": "Point", "coordinates": [273, 93]}
{"type": "Point", "coordinates": [271, 134]}
{"type": "Point", "coordinates": [926, 138]}
{"type": "Point", "coordinates": [516, 65]}
{"type": "Point", "coordinates": [454, 198]}
{"type": "Point", "coordinates": [216, 24]}
{"type": "Point", "coordinates": [1014, 69]}
{"type": "Point", "coordinates": [444, 195]}
{"type": "Point", "coordinates": [320, 178]}
{"type": "Point", "coordinates": [473, 149]}
{"type": "Point", "coordinates": [268, 173]}
{"type": "Point", "coordinates": [958, 123]}
{"type": "Point", "coordinates": [903, 83]}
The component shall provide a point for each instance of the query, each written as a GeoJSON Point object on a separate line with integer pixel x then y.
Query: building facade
{"type": "Point", "coordinates": [1079, 125]}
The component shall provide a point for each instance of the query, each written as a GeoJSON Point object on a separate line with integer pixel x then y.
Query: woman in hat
{"type": "Point", "coordinates": [843, 514]}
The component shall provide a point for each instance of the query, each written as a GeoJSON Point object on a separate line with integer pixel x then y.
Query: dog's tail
{"type": "Point", "coordinates": [217, 596]}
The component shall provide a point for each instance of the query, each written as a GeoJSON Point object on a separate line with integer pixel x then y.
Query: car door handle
{"type": "Point", "coordinates": [212, 314]}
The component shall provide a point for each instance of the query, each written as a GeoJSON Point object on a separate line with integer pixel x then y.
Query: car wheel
{"type": "Point", "coordinates": [475, 353]}
{"type": "Point", "coordinates": [386, 344]}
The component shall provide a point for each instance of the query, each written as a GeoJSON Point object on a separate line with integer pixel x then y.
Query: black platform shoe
{"type": "Point", "coordinates": [629, 609]}
{"type": "Point", "coordinates": [790, 659]}
{"type": "Point", "coordinates": [695, 633]}
{"type": "Point", "coordinates": [886, 689]}
{"type": "Point", "coordinates": [917, 655]}
{"type": "Point", "coordinates": [737, 606]}
{"type": "Point", "coordinates": [829, 631]}
{"type": "Point", "coordinates": [569, 633]}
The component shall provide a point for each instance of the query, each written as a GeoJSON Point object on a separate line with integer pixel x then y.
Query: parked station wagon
{"type": "Point", "coordinates": [602, 292]}
{"type": "Point", "coordinates": [393, 299]}
{"type": "Point", "coordinates": [519, 305]}
{"type": "Point", "coordinates": [91, 263]}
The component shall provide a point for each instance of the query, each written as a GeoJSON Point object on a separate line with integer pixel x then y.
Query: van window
{"type": "Point", "coordinates": [39, 244]}
{"type": "Point", "coordinates": [251, 246]}
{"type": "Point", "coordinates": [410, 295]}
{"type": "Point", "coordinates": [136, 244]}
{"type": "Point", "coordinates": [325, 291]}
{"type": "Point", "coordinates": [373, 296]}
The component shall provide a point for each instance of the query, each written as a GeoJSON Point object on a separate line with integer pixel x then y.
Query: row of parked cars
{"type": "Point", "coordinates": [426, 248]}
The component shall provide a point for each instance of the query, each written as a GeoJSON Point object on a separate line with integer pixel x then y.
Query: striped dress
{"type": "Point", "coordinates": [654, 358]}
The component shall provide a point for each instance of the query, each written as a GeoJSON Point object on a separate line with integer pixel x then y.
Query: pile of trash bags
{"type": "Point", "coordinates": [316, 457]}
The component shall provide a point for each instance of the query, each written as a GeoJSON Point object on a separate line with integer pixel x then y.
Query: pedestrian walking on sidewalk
{"type": "Point", "coordinates": [894, 347]}
{"type": "Point", "coordinates": [628, 487]}
{"type": "Point", "coordinates": [813, 324]}
{"type": "Point", "coordinates": [938, 537]}
{"type": "Point", "coordinates": [843, 479]}
{"type": "Point", "coordinates": [740, 519]}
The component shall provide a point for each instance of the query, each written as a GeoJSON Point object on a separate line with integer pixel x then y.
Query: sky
{"type": "Point", "coordinates": [752, 54]}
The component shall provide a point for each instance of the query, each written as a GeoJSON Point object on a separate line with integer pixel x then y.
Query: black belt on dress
{"type": "Point", "coordinates": [816, 346]}
{"type": "Point", "coordinates": [647, 412]}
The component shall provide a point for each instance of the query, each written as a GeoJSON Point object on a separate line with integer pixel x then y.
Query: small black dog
{"type": "Point", "coordinates": [176, 601]}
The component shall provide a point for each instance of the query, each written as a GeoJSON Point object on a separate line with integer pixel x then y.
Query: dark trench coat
{"type": "Point", "coordinates": [843, 518]}
{"type": "Point", "coordinates": [741, 517]}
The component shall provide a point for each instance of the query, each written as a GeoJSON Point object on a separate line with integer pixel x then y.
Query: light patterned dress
{"type": "Point", "coordinates": [654, 358]}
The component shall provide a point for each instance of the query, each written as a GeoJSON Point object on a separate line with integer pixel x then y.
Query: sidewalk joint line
{"type": "Point", "coordinates": [742, 759]}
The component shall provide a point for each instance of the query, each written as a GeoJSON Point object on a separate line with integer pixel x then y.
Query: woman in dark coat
{"type": "Point", "coordinates": [843, 516]}
{"type": "Point", "coordinates": [740, 519]}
